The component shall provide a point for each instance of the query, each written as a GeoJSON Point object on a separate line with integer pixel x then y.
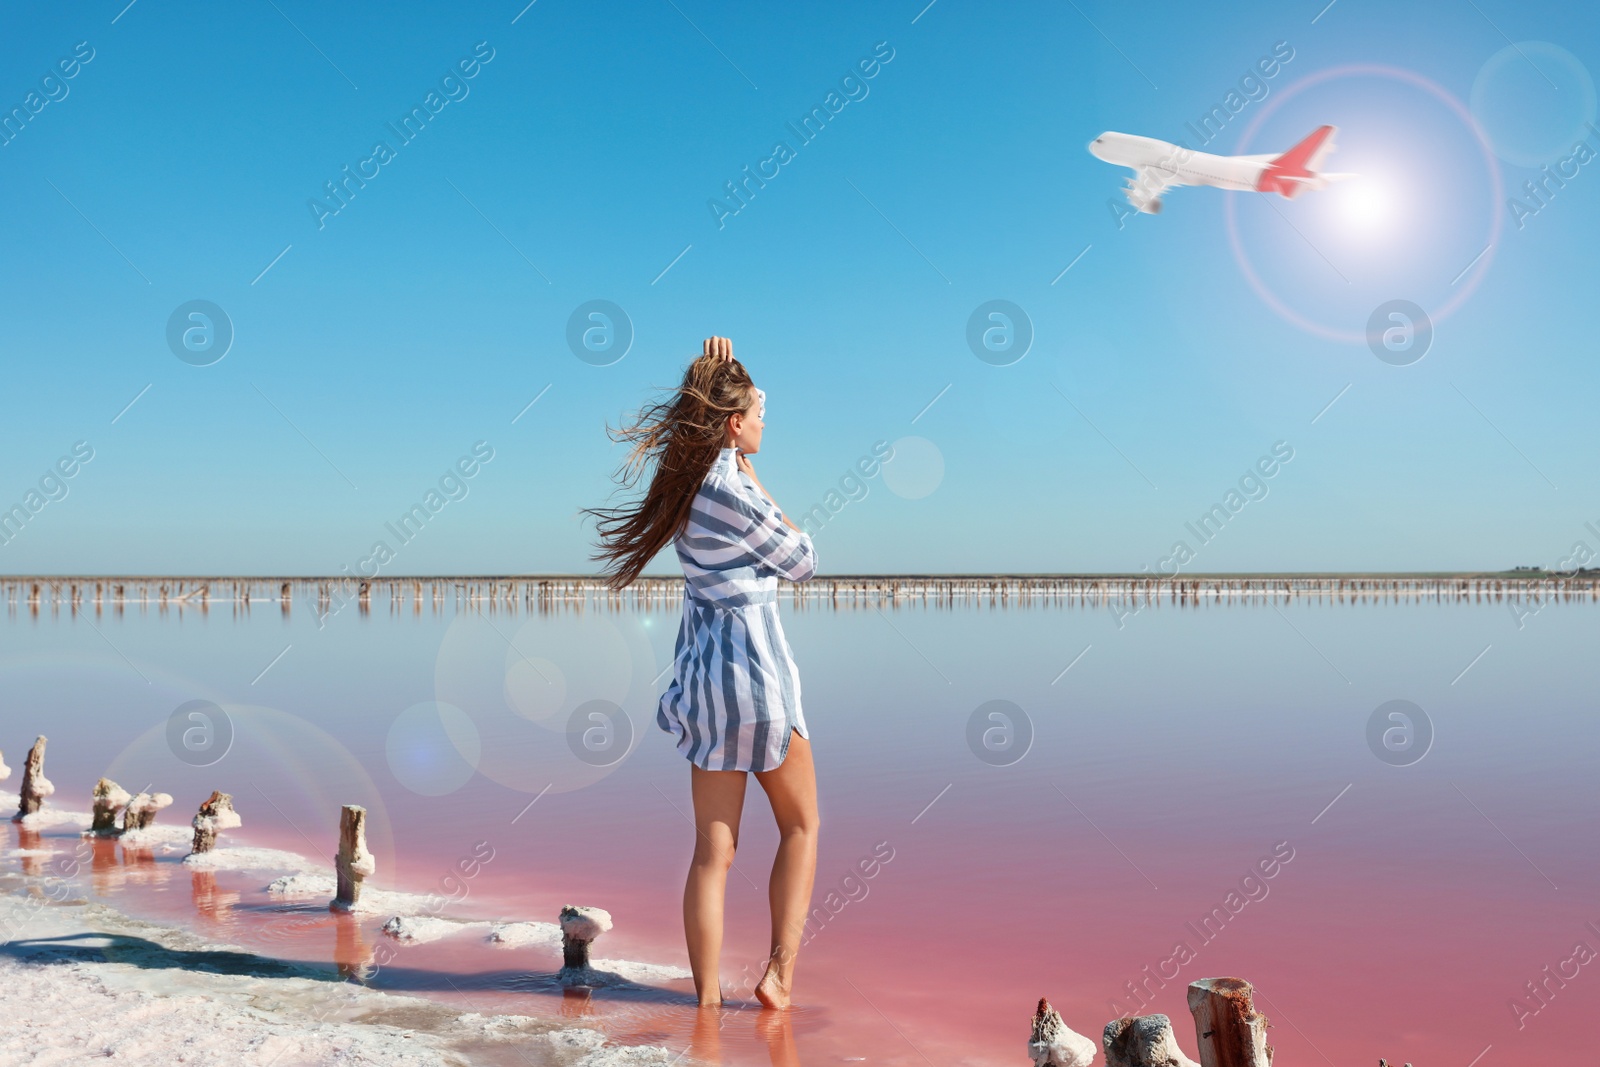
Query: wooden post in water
{"type": "Point", "coordinates": [580, 926]}
{"type": "Point", "coordinates": [109, 800]}
{"type": "Point", "coordinates": [1230, 1031]}
{"type": "Point", "coordinates": [1054, 1044]}
{"type": "Point", "coordinates": [141, 810]}
{"type": "Point", "coordinates": [1143, 1041]}
{"type": "Point", "coordinates": [35, 786]}
{"type": "Point", "coordinates": [216, 813]}
{"type": "Point", "coordinates": [352, 863]}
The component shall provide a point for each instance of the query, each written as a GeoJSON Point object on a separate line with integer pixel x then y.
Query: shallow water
{"type": "Point", "coordinates": [1410, 902]}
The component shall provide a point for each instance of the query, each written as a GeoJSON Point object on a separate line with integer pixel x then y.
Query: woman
{"type": "Point", "coordinates": [734, 700]}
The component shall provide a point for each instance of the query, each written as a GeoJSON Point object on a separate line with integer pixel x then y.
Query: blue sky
{"type": "Point", "coordinates": [372, 352]}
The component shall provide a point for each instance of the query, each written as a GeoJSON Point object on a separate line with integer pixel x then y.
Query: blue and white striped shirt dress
{"type": "Point", "coordinates": [734, 697]}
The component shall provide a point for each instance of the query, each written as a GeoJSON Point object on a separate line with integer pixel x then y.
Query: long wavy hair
{"type": "Point", "coordinates": [681, 436]}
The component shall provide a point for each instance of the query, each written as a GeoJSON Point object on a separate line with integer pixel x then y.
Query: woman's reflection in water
{"type": "Point", "coordinates": [773, 1027]}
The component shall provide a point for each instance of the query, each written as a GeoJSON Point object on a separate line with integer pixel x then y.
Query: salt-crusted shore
{"type": "Point", "coordinates": [82, 981]}
{"type": "Point", "coordinates": [79, 980]}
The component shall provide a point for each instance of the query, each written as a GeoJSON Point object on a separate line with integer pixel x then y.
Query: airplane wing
{"type": "Point", "coordinates": [1146, 186]}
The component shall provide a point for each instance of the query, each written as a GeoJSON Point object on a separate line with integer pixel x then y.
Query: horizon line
{"type": "Point", "coordinates": [950, 575]}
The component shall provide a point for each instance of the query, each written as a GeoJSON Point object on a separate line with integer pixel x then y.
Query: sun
{"type": "Point", "coordinates": [1366, 205]}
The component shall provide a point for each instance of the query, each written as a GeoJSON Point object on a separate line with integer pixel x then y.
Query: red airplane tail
{"type": "Point", "coordinates": [1296, 168]}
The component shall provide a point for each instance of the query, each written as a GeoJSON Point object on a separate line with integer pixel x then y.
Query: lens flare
{"type": "Point", "coordinates": [1463, 285]}
{"type": "Point", "coordinates": [1366, 205]}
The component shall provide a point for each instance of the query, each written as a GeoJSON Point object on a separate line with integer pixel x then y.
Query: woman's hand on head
{"type": "Point", "coordinates": [719, 347]}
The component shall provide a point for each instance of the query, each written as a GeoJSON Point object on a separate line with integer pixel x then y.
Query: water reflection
{"type": "Point", "coordinates": [104, 863]}
{"type": "Point", "coordinates": [353, 954]}
{"type": "Point", "coordinates": [777, 1030]}
{"type": "Point", "coordinates": [29, 841]}
{"type": "Point", "coordinates": [115, 864]}
{"type": "Point", "coordinates": [774, 1031]}
{"type": "Point", "coordinates": [139, 865]}
{"type": "Point", "coordinates": [213, 905]}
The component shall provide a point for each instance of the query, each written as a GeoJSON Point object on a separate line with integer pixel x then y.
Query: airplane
{"type": "Point", "coordinates": [1159, 166]}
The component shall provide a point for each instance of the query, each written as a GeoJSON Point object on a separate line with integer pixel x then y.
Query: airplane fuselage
{"type": "Point", "coordinates": [1178, 165]}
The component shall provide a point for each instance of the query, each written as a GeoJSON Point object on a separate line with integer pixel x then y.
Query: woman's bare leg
{"type": "Point", "coordinates": [718, 802]}
{"type": "Point", "coordinates": [792, 791]}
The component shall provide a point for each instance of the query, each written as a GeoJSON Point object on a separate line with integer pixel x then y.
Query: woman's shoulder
{"type": "Point", "coordinates": [719, 482]}
{"type": "Point", "coordinates": [725, 466]}
{"type": "Point", "coordinates": [724, 471]}
{"type": "Point", "coordinates": [732, 491]}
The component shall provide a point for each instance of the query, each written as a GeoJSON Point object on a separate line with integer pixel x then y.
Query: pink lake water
{"type": "Point", "coordinates": [1408, 908]}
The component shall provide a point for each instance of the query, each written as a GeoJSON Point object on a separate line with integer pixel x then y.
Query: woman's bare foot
{"type": "Point", "coordinates": [770, 991]}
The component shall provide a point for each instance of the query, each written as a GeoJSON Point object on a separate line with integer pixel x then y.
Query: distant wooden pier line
{"type": "Point", "coordinates": [560, 593]}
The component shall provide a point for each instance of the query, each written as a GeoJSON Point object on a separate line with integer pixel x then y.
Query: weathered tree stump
{"type": "Point", "coordinates": [216, 813]}
{"type": "Point", "coordinates": [1054, 1044]}
{"type": "Point", "coordinates": [580, 926]}
{"type": "Point", "coordinates": [109, 800]}
{"type": "Point", "coordinates": [353, 863]}
{"type": "Point", "coordinates": [1230, 1031]}
{"type": "Point", "coordinates": [141, 810]}
{"type": "Point", "coordinates": [35, 786]}
{"type": "Point", "coordinates": [1143, 1041]}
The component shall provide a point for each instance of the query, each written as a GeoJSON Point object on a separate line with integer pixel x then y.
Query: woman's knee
{"type": "Point", "coordinates": [714, 852]}
{"type": "Point", "coordinates": [805, 824]}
